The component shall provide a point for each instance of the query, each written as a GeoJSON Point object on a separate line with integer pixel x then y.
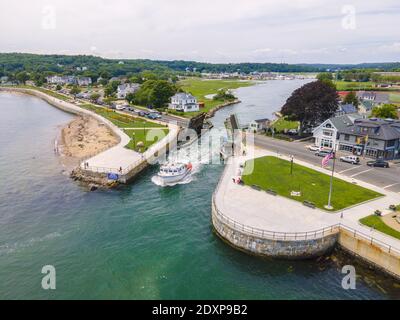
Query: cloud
{"type": "Point", "coordinates": [207, 30]}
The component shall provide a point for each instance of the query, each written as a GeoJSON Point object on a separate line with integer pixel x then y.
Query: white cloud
{"type": "Point", "coordinates": [207, 30]}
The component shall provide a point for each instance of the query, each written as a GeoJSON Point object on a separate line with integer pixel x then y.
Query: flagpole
{"type": "Point", "coordinates": [329, 206]}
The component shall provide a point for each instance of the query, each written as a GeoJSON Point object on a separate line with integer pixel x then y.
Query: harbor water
{"type": "Point", "coordinates": [140, 241]}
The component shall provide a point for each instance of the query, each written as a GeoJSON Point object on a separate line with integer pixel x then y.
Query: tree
{"type": "Point", "coordinates": [224, 95]}
{"type": "Point", "coordinates": [22, 77]}
{"type": "Point", "coordinates": [311, 104]}
{"type": "Point", "coordinates": [351, 98]}
{"type": "Point", "coordinates": [155, 92]}
{"type": "Point", "coordinates": [94, 97]}
{"type": "Point", "coordinates": [58, 87]}
{"type": "Point", "coordinates": [130, 97]}
{"type": "Point", "coordinates": [75, 90]}
{"type": "Point", "coordinates": [386, 111]}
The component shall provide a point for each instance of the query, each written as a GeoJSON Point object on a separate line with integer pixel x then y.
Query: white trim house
{"type": "Point", "coordinates": [124, 89]}
{"type": "Point", "coordinates": [328, 132]}
{"type": "Point", "coordinates": [185, 102]}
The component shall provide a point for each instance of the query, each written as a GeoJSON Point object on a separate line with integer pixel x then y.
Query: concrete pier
{"type": "Point", "coordinates": [124, 164]}
{"type": "Point", "coordinates": [274, 226]}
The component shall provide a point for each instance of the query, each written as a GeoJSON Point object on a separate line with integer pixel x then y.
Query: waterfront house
{"type": "Point", "coordinates": [259, 125]}
{"type": "Point", "coordinates": [185, 102]}
{"type": "Point", "coordinates": [84, 81]}
{"type": "Point", "coordinates": [327, 133]}
{"type": "Point", "coordinates": [126, 88]}
{"type": "Point", "coordinates": [375, 138]}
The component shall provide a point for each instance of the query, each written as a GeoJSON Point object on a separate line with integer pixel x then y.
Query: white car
{"type": "Point", "coordinates": [313, 148]}
{"type": "Point", "coordinates": [120, 107]}
{"type": "Point", "coordinates": [350, 159]}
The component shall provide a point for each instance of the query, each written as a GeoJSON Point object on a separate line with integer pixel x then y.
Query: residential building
{"type": "Point", "coordinates": [126, 88]}
{"type": "Point", "coordinates": [375, 138]}
{"type": "Point", "coordinates": [327, 133]}
{"type": "Point", "coordinates": [345, 109]}
{"type": "Point", "coordinates": [365, 107]}
{"type": "Point", "coordinates": [61, 80]}
{"type": "Point", "coordinates": [185, 102]}
{"type": "Point", "coordinates": [84, 81]}
{"type": "Point", "coordinates": [374, 97]}
{"type": "Point", "coordinates": [259, 125]}
{"type": "Point", "coordinates": [4, 79]}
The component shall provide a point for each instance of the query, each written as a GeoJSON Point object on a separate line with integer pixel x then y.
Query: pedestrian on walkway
{"type": "Point", "coordinates": [341, 215]}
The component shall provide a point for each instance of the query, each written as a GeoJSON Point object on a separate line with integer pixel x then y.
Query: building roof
{"type": "Point", "coordinates": [183, 96]}
{"type": "Point", "coordinates": [344, 121]}
{"type": "Point", "coordinates": [381, 129]}
{"type": "Point", "coordinates": [347, 108]}
{"type": "Point", "coordinates": [262, 120]}
{"type": "Point", "coordinates": [376, 97]}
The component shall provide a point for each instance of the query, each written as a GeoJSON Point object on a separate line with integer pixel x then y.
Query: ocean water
{"type": "Point", "coordinates": [140, 241]}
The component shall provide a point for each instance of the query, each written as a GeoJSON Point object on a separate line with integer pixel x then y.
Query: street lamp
{"type": "Point", "coordinates": [291, 164]}
{"type": "Point", "coordinates": [134, 140]}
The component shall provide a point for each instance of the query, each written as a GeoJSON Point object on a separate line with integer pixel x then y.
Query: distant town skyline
{"type": "Point", "coordinates": [222, 31]}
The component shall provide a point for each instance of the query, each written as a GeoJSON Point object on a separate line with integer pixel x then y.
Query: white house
{"type": "Point", "coordinates": [84, 81]}
{"type": "Point", "coordinates": [61, 80]}
{"type": "Point", "coordinates": [126, 88]}
{"type": "Point", "coordinates": [185, 102]}
{"type": "Point", "coordinates": [327, 133]}
{"type": "Point", "coordinates": [258, 125]}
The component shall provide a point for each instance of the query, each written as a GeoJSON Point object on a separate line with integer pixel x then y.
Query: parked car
{"type": "Point", "coordinates": [378, 163]}
{"type": "Point", "coordinates": [313, 148]}
{"type": "Point", "coordinates": [292, 131]}
{"type": "Point", "coordinates": [350, 159]}
{"type": "Point", "coordinates": [153, 116]}
{"type": "Point", "coordinates": [120, 107]}
{"type": "Point", "coordinates": [322, 153]}
{"type": "Point", "coordinates": [143, 113]}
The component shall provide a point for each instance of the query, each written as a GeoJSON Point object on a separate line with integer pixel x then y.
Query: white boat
{"type": "Point", "coordinates": [174, 172]}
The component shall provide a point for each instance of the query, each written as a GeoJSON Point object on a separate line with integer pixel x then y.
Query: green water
{"type": "Point", "coordinates": [138, 242]}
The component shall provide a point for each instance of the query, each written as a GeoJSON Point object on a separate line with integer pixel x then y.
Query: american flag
{"type": "Point", "coordinates": [328, 157]}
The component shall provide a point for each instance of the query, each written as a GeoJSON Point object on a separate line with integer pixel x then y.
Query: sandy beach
{"type": "Point", "coordinates": [84, 137]}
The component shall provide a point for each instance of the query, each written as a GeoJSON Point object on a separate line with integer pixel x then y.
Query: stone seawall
{"type": "Point", "coordinates": [262, 246]}
{"type": "Point", "coordinates": [383, 258]}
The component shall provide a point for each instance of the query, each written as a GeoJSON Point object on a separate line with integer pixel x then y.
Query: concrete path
{"type": "Point", "coordinates": [258, 209]}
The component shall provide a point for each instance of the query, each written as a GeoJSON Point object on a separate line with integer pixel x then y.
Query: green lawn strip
{"type": "Point", "coordinates": [273, 173]}
{"type": "Point", "coordinates": [201, 88]}
{"type": "Point", "coordinates": [394, 97]}
{"type": "Point", "coordinates": [377, 223]}
{"type": "Point", "coordinates": [281, 124]}
{"type": "Point", "coordinates": [143, 135]}
{"type": "Point", "coordinates": [352, 85]}
{"type": "Point", "coordinates": [46, 91]}
{"type": "Point", "coordinates": [122, 120]}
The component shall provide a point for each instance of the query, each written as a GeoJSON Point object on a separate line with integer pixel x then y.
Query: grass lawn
{"type": "Point", "coordinates": [46, 91]}
{"type": "Point", "coordinates": [377, 223]}
{"type": "Point", "coordinates": [141, 135]}
{"type": "Point", "coordinates": [122, 120]}
{"type": "Point", "coordinates": [274, 173]}
{"type": "Point", "coordinates": [394, 97]}
{"type": "Point", "coordinates": [281, 124]}
{"type": "Point", "coordinates": [201, 88]}
{"type": "Point", "coordinates": [349, 85]}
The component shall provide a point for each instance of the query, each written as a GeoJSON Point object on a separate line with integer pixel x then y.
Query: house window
{"type": "Point", "coordinates": [327, 133]}
{"type": "Point", "coordinates": [346, 137]}
{"type": "Point", "coordinates": [391, 143]}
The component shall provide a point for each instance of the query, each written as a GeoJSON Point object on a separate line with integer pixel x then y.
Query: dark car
{"type": "Point", "coordinates": [322, 153]}
{"type": "Point", "coordinates": [143, 113]}
{"type": "Point", "coordinates": [378, 163]}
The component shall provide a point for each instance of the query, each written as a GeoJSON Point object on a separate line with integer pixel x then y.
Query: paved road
{"type": "Point", "coordinates": [386, 178]}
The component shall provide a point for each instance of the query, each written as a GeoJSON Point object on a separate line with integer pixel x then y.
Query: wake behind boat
{"type": "Point", "coordinates": [171, 173]}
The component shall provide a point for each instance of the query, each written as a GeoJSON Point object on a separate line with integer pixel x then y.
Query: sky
{"type": "Point", "coordinates": [219, 31]}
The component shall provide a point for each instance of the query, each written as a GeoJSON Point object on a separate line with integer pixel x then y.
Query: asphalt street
{"type": "Point", "coordinates": [388, 178]}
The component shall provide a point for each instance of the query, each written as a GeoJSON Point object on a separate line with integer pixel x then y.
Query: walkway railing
{"type": "Point", "coordinates": [310, 235]}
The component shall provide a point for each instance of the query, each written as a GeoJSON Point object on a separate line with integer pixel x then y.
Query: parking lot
{"type": "Point", "coordinates": [388, 178]}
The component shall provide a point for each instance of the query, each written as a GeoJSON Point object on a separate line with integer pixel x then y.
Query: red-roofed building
{"type": "Point", "coordinates": [343, 94]}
